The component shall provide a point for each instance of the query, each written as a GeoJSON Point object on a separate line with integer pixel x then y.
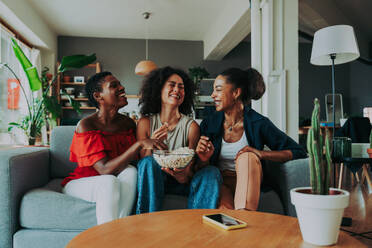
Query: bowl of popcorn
{"type": "Point", "coordinates": [178, 158]}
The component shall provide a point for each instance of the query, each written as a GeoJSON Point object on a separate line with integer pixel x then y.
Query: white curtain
{"type": "Point", "coordinates": [9, 115]}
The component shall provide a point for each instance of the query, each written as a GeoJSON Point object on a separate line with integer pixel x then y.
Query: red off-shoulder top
{"type": "Point", "coordinates": [89, 147]}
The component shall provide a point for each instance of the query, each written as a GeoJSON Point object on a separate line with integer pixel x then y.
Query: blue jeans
{"type": "Point", "coordinates": [203, 190]}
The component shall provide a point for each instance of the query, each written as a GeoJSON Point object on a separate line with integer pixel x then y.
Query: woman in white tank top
{"type": "Point", "coordinates": [166, 100]}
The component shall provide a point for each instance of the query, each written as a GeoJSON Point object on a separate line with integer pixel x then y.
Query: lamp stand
{"type": "Point", "coordinates": [333, 57]}
{"type": "Point", "coordinates": [346, 221]}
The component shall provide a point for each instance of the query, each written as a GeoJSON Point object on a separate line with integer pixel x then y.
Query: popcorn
{"type": "Point", "coordinates": [178, 158]}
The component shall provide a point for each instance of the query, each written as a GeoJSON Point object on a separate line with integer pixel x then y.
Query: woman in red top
{"type": "Point", "coordinates": [103, 145]}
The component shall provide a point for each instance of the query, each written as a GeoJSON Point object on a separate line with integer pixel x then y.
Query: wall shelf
{"type": "Point", "coordinates": [132, 96]}
{"type": "Point", "coordinates": [80, 108]}
{"type": "Point", "coordinates": [68, 111]}
{"type": "Point", "coordinates": [73, 83]}
{"type": "Point", "coordinates": [77, 99]}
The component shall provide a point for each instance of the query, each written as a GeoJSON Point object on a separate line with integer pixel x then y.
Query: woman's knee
{"type": "Point", "coordinates": [248, 156]}
{"type": "Point", "coordinates": [248, 160]}
{"type": "Point", "coordinates": [129, 172]}
{"type": "Point", "coordinates": [107, 181]}
{"type": "Point", "coordinates": [128, 176]}
{"type": "Point", "coordinates": [108, 185]}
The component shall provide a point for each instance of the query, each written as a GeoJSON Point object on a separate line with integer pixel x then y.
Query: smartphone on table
{"type": "Point", "coordinates": [224, 221]}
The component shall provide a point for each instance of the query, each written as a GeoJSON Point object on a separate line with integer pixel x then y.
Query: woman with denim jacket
{"type": "Point", "coordinates": [233, 138]}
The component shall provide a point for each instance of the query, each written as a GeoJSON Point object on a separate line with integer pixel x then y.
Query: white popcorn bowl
{"type": "Point", "coordinates": [169, 159]}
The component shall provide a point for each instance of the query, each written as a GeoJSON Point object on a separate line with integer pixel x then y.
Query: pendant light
{"type": "Point", "coordinates": [145, 66]}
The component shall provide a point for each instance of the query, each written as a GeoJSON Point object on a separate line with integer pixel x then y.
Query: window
{"type": "Point", "coordinates": [13, 105]}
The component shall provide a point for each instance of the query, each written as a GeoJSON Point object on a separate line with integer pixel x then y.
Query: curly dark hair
{"type": "Point", "coordinates": [94, 84]}
{"type": "Point", "coordinates": [150, 93]}
{"type": "Point", "coordinates": [250, 81]}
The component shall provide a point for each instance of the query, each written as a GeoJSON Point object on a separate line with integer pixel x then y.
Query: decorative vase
{"type": "Point", "coordinates": [31, 141]}
{"type": "Point", "coordinates": [66, 78]}
{"type": "Point", "coordinates": [369, 151]}
{"type": "Point", "coordinates": [319, 216]}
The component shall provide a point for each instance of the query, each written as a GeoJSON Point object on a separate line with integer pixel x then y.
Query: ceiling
{"type": "Point", "coordinates": [170, 19]}
{"type": "Point", "coordinates": [180, 19]}
{"type": "Point", "coordinates": [316, 14]}
{"type": "Point", "coordinates": [220, 24]}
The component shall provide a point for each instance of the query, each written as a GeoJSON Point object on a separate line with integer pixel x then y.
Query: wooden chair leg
{"type": "Point", "coordinates": [357, 177]}
{"type": "Point", "coordinates": [340, 175]}
{"type": "Point", "coordinates": [363, 177]}
{"type": "Point", "coordinates": [366, 174]}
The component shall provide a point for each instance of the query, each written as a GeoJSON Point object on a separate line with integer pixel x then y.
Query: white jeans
{"type": "Point", "coordinates": [114, 196]}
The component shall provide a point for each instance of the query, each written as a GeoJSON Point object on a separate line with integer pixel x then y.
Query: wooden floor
{"type": "Point", "coordinates": [360, 208]}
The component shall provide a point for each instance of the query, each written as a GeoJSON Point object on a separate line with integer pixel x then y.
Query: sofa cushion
{"type": "Point", "coordinates": [60, 141]}
{"type": "Point", "coordinates": [270, 202]}
{"type": "Point", "coordinates": [48, 208]}
{"type": "Point", "coordinates": [172, 202]}
{"type": "Point", "coordinates": [30, 238]}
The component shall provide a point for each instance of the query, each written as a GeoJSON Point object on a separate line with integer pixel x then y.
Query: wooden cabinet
{"type": "Point", "coordinates": [75, 90]}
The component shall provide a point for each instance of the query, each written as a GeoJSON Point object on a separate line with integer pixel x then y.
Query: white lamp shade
{"type": "Point", "coordinates": [339, 40]}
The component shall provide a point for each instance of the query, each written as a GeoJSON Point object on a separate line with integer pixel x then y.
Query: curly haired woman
{"type": "Point", "coordinates": [166, 100]}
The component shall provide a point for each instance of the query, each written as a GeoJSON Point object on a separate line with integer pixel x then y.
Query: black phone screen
{"type": "Point", "coordinates": [223, 219]}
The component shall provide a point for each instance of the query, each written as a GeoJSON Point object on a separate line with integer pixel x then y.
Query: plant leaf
{"type": "Point", "coordinates": [75, 62]}
{"type": "Point", "coordinates": [75, 104]}
{"type": "Point", "coordinates": [30, 70]}
{"type": "Point", "coordinates": [13, 124]}
{"type": "Point", "coordinates": [52, 106]}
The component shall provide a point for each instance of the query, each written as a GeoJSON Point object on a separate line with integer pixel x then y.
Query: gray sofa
{"type": "Point", "coordinates": [34, 212]}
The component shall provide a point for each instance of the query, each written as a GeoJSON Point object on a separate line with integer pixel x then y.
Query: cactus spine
{"type": "Point", "coordinates": [319, 155]}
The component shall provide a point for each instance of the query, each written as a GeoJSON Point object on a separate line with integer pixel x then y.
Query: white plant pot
{"type": "Point", "coordinates": [319, 216]}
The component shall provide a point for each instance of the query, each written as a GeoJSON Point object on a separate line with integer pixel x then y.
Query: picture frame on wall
{"type": "Point", "coordinates": [79, 79]}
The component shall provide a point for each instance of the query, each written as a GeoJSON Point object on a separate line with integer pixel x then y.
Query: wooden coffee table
{"type": "Point", "coordinates": [184, 228]}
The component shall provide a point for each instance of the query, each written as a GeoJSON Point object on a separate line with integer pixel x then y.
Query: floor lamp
{"type": "Point", "coordinates": [332, 46]}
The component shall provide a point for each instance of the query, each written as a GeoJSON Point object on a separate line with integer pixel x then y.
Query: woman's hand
{"type": "Point", "coordinates": [161, 133]}
{"type": "Point", "coordinates": [204, 149]}
{"type": "Point", "coordinates": [181, 175]}
{"type": "Point", "coordinates": [249, 149]}
{"type": "Point", "coordinates": [152, 144]}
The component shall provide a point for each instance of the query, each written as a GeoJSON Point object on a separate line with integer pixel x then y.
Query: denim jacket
{"type": "Point", "coordinates": [259, 130]}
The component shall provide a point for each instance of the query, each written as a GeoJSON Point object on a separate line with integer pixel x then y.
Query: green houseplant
{"type": "Point", "coordinates": [319, 155]}
{"type": "Point", "coordinates": [319, 208]}
{"type": "Point", "coordinates": [197, 73]}
{"type": "Point", "coordinates": [38, 107]}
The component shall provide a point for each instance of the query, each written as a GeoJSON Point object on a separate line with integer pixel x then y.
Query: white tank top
{"type": "Point", "coordinates": [229, 151]}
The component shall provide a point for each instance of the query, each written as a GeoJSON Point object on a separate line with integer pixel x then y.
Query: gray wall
{"type": "Point", "coordinates": [120, 56]}
{"type": "Point", "coordinates": [360, 87]}
{"type": "Point", "coordinates": [316, 81]}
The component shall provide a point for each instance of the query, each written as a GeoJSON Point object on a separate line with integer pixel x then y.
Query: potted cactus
{"type": "Point", "coordinates": [319, 208]}
{"type": "Point", "coordinates": [369, 150]}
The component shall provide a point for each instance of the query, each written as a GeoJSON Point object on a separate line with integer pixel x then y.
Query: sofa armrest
{"type": "Point", "coordinates": [21, 169]}
{"type": "Point", "coordinates": [286, 176]}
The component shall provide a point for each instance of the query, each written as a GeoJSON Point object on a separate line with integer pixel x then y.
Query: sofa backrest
{"type": "Point", "coordinates": [60, 142]}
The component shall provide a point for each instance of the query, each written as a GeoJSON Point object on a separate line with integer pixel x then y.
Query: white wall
{"type": "Point", "coordinates": [275, 34]}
